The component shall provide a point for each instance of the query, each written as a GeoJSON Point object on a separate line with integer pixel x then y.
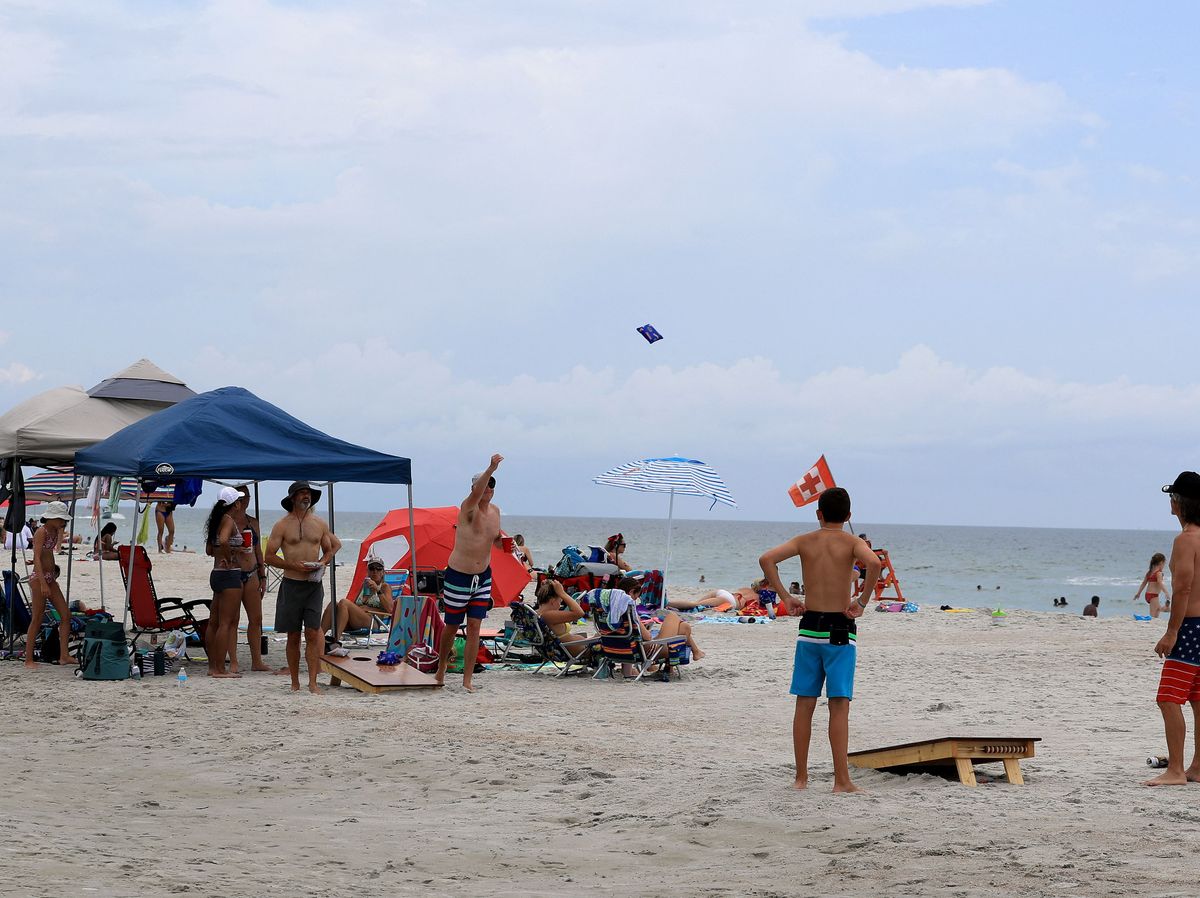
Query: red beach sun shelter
{"type": "Point", "coordinates": [433, 536]}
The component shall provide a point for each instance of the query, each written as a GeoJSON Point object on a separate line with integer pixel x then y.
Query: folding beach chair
{"type": "Point", "coordinates": [22, 611]}
{"type": "Point", "coordinates": [381, 622]}
{"type": "Point", "coordinates": [151, 614]}
{"type": "Point", "coordinates": [531, 632]}
{"type": "Point", "coordinates": [623, 643]}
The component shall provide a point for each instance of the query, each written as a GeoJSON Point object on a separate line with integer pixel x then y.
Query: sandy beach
{"type": "Point", "coordinates": [543, 786]}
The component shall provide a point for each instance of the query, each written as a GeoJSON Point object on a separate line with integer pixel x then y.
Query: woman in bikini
{"type": "Point", "coordinates": [44, 583]}
{"type": "Point", "coordinates": [250, 561]}
{"type": "Point", "coordinates": [374, 598]}
{"type": "Point", "coordinates": [223, 538]}
{"type": "Point", "coordinates": [555, 606]}
{"type": "Point", "coordinates": [1154, 584]}
{"type": "Point", "coordinates": [521, 551]}
{"type": "Point", "coordinates": [164, 519]}
{"type": "Point", "coordinates": [613, 549]}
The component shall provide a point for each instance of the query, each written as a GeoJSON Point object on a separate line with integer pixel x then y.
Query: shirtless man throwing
{"type": "Point", "coordinates": [308, 547]}
{"type": "Point", "coordinates": [1180, 681]}
{"type": "Point", "coordinates": [468, 586]}
{"type": "Point", "coordinates": [825, 649]}
{"type": "Point", "coordinates": [44, 583]}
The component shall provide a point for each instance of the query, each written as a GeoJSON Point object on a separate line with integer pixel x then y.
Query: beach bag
{"type": "Point", "coordinates": [569, 564]}
{"type": "Point", "coordinates": [104, 655]}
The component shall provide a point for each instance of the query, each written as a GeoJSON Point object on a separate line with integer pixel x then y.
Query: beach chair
{"type": "Point", "coordinates": [22, 611]}
{"type": "Point", "coordinates": [623, 643]}
{"type": "Point", "coordinates": [531, 632]}
{"type": "Point", "coordinates": [148, 612]}
{"type": "Point", "coordinates": [381, 623]}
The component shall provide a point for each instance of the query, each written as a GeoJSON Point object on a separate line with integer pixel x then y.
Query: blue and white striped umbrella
{"type": "Point", "coordinates": [679, 476]}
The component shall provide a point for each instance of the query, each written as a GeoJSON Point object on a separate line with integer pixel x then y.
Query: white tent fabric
{"type": "Point", "coordinates": [49, 428]}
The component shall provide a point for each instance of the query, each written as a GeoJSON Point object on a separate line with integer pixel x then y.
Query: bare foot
{"type": "Point", "coordinates": [441, 679]}
{"type": "Point", "coordinates": [697, 654]}
{"type": "Point", "coordinates": [800, 783]}
{"type": "Point", "coordinates": [262, 668]}
{"type": "Point", "coordinates": [845, 787]}
{"type": "Point", "coordinates": [314, 689]}
{"type": "Point", "coordinates": [30, 664]}
{"type": "Point", "coordinates": [295, 687]}
{"type": "Point", "coordinates": [279, 671]}
{"type": "Point", "coordinates": [224, 675]}
{"type": "Point", "coordinates": [1168, 779]}
{"type": "Point", "coordinates": [472, 687]}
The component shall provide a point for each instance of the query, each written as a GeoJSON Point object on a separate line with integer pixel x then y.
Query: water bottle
{"type": "Point", "coordinates": [181, 679]}
{"type": "Point", "coordinates": [135, 665]}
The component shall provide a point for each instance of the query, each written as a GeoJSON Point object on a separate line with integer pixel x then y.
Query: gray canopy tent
{"type": "Point", "coordinates": [47, 430]}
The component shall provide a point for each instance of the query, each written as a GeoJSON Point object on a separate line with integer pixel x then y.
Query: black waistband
{"type": "Point", "coordinates": [831, 621]}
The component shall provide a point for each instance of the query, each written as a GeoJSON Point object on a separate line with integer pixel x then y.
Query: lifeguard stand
{"type": "Point", "coordinates": [887, 576]}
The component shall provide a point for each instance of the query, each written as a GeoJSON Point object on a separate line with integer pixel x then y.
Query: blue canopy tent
{"type": "Point", "coordinates": [231, 433]}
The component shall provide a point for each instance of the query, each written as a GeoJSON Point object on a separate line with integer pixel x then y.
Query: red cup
{"type": "Point", "coordinates": [507, 543]}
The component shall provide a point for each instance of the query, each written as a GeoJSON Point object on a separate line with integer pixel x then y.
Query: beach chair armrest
{"type": "Point", "coordinates": [669, 640]}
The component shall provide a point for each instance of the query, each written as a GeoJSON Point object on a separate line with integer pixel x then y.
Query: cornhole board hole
{"type": "Point", "coordinates": [361, 672]}
{"type": "Point", "coordinates": [958, 754]}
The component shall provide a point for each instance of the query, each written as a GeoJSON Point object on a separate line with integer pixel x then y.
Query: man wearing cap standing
{"type": "Point", "coordinates": [1180, 645]}
{"type": "Point", "coordinates": [308, 548]}
{"type": "Point", "coordinates": [44, 583]}
{"type": "Point", "coordinates": [467, 591]}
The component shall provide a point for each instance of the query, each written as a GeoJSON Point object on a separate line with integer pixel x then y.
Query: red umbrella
{"type": "Point", "coordinates": [433, 536]}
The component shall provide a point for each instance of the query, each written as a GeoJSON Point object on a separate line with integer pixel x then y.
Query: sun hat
{"type": "Point", "coordinates": [57, 510]}
{"type": "Point", "coordinates": [375, 561]}
{"type": "Point", "coordinates": [1187, 484]}
{"type": "Point", "coordinates": [229, 495]}
{"type": "Point", "coordinates": [286, 501]}
{"type": "Point", "coordinates": [491, 480]}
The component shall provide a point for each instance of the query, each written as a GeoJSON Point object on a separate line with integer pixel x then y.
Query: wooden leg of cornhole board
{"type": "Point", "coordinates": [966, 772]}
{"type": "Point", "coordinates": [1012, 769]}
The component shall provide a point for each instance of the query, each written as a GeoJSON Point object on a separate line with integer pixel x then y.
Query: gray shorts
{"type": "Point", "coordinates": [299, 603]}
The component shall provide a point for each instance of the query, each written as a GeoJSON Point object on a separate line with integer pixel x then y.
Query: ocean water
{"type": "Point", "coordinates": [1014, 567]}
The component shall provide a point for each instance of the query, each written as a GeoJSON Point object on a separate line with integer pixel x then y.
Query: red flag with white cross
{"type": "Point", "coordinates": [816, 481]}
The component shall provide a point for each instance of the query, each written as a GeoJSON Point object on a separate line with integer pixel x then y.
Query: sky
{"type": "Point", "coordinates": [952, 245]}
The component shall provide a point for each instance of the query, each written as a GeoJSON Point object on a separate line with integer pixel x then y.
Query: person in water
{"type": "Point", "coordinates": [1154, 584]}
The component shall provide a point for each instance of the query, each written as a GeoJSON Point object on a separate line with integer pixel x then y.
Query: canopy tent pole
{"type": "Point", "coordinates": [333, 601]}
{"type": "Point", "coordinates": [412, 543]}
{"type": "Point", "coordinates": [11, 597]}
{"type": "Point", "coordinates": [132, 564]}
{"type": "Point", "coordinates": [71, 538]}
{"type": "Point", "coordinates": [667, 564]}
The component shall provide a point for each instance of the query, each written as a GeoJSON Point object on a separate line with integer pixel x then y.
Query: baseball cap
{"type": "Point", "coordinates": [491, 480]}
{"type": "Point", "coordinates": [1187, 484]}
{"type": "Point", "coordinates": [229, 495]}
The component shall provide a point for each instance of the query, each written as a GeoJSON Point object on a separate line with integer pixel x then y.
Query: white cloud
{"type": "Point", "coordinates": [17, 373]}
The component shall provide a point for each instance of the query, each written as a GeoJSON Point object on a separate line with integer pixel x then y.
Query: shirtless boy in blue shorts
{"type": "Point", "coordinates": [825, 649]}
{"type": "Point", "coordinates": [467, 591]}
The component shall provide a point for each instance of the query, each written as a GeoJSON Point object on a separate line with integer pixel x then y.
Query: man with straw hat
{"type": "Point", "coordinates": [308, 548]}
{"type": "Point", "coordinates": [44, 583]}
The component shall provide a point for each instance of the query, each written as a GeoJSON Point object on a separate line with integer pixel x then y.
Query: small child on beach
{"type": "Point", "coordinates": [825, 649]}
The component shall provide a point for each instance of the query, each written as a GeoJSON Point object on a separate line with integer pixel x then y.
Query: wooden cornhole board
{"type": "Point", "coordinates": [365, 675]}
{"type": "Point", "coordinates": [959, 752]}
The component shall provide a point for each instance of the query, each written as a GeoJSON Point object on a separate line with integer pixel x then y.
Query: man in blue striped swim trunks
{"type": "Point", "coordinates": [826, 651]}
{"type": "Point", "coordinates": [467, 590]}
